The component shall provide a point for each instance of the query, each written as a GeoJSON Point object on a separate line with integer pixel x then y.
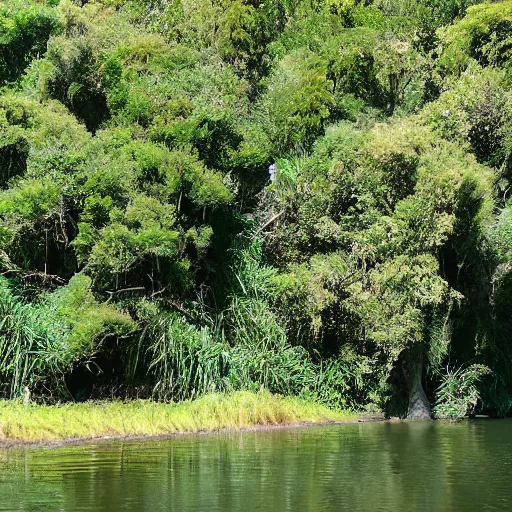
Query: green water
{"type": "Point", "coordinates": [363, 467]}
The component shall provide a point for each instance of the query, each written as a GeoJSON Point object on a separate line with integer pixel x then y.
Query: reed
{"type": "Point", "coordinates": [32, 345]}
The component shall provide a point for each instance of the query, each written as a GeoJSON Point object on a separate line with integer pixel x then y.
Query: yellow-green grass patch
{"type": "Point", "coordinates": [239, 410]}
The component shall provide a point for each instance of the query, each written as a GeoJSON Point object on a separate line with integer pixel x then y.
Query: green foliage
{"type": "Point", "coordinates": [310, 197]}
{"type": "Point", "coordinates": [358, 238]}
{"type": "Point", "coordinates": [25, 29]}
{"type": "Point", "coordinates": [483, 35]}
{"type": "Point", "coordinates": [185, 361]}
{"type": "Point", "coordinates": [458, 395]}
{"type": "Point", "coordinates": [297, 101]}
{"type": "Point", "coordinates": [13, 156]}
{"type": "Point", "coordinates": [502, 236]}
{"type": "Point", "coordinates": [41, 342]}
{"type": "Point", "coordinates": [89, 322]}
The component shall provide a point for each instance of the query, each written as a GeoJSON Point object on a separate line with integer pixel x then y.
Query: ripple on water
{"type": "Point", "coordinates": [362, 467]}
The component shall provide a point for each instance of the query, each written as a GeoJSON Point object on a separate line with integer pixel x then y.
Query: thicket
{"type": "Point", "coordinates": [311, 197]}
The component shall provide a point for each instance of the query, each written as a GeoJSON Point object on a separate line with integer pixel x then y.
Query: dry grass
{"type": "Point", "coordinates": [47, 424]}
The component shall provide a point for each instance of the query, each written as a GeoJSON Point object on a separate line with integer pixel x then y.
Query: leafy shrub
{"type": "Point", "coordinates": [297, 101]}
{"type": "Point", "coordinates": [25, 30]}
{"type": "Point", "coordinates": [476, 110]}
{"type": "Point", "coordinates": [484, 35]}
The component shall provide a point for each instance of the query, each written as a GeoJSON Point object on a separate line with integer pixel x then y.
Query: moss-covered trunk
{"type": "Point", "coordinates": [419, 406]}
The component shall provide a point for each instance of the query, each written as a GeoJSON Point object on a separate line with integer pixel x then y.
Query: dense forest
{"type": "Point", "coordinates": [307, 196]}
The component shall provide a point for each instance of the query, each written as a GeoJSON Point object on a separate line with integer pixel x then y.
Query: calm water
{"type": "Point", "coordinates": [364, 467]}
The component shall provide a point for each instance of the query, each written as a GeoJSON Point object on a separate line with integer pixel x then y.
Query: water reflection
{"type": "Point", "coordinates": [364, 467]}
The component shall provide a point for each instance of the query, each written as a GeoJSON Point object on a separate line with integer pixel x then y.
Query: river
{"type": "Point", "coordinates": [361, 467]}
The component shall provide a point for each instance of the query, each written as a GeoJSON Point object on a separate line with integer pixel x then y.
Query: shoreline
{"type": "Point", "coordinates": [242, 411]}
{"type": "Point", "coordinates": [79, 441]}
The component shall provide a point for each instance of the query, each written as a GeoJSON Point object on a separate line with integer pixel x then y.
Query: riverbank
{"type": "Point", "coordinates": [57, 424]}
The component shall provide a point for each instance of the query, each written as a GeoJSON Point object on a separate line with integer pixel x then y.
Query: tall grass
{"type": "Point", "coordinates": [243, 348]}
{"type": "Point", "coordinates": [458, 394]}
{"type": "Point", "coordinates": [184, 360]}
{"type": "Point", "coordinates": [261, 354]}
{"type": "Point", "coordinates": [31, 346]}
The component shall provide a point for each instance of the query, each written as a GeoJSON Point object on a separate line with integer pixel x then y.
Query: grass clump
{"type": "Point", "coordinates": [47, 424]}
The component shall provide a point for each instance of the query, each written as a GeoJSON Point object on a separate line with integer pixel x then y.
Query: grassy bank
{"type": "Point", "coordinates": [49, 424]}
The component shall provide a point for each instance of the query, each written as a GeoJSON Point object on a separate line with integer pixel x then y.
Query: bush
{"type": "Point", "coordinates": [484, 35]}
{"type": "Point", "coordinates": [25, 30]}
{"type": "Point", "coordinates": [297, 101]}
{"type": "Point", "coordinates": [476, 111]}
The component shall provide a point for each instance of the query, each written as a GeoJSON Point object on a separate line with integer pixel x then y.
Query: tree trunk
{"type": "Point", "coordinates": [419, 406]}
